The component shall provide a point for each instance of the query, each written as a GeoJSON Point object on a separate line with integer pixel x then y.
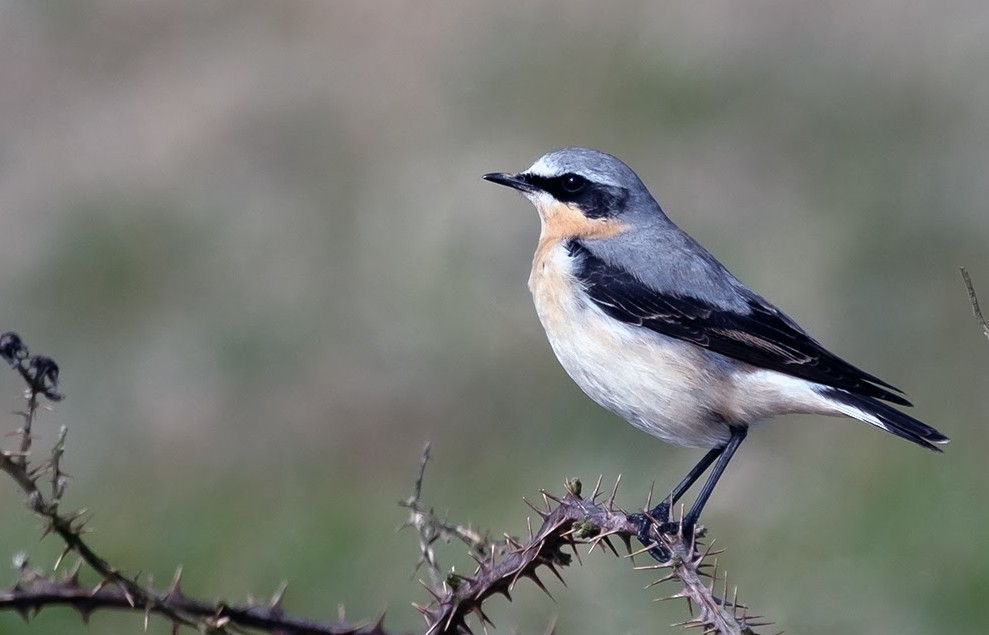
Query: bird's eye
{"type": "Point", "coordinates": [573, 183]}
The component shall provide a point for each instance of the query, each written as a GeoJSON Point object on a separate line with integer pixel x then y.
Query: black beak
{"type": "Point", "coordinates": [514, 181]}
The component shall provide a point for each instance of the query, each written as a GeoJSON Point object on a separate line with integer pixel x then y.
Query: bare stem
{"type": "Point", "coordinates": [26, 438]}
{"type": "Point", "coordinates": [974, 301]}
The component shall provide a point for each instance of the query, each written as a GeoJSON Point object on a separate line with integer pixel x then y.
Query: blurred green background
{"type": "Point", "coordinates": [254, 236]}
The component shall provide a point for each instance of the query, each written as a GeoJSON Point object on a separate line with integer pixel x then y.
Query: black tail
{"type": "Point", "coordinates": [875, 412]}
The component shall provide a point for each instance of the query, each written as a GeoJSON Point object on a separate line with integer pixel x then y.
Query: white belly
{"type": "Point", "coordinates": [664, 386]}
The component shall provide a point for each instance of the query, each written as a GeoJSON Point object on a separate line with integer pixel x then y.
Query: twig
{"type": "Point", "coordinates": [974, 301]}
{"type": "Point", "coordinates": [41, 375]}
{"type": "Point", "coordinates": [35, 590]}
{"type": "Point", "coordinates": [432, 528]}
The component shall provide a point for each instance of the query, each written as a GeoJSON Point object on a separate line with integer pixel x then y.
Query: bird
{"type": "Point", "coordinates": [653, 328]}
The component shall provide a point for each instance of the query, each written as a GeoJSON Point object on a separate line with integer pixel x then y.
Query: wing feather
{"type": "Point", "coordinates": [764, 337]}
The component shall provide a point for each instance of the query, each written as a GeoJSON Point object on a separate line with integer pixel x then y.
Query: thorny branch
{"type": "Point", "coordinates": [34, 590]}
{"type": "Point", "coordinates": [40, 373]}
{"type": "Point", "coordinates": [566, 523]}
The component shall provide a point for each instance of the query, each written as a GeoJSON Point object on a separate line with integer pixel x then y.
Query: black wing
{"type": "Point", "coordinates": [764, 337]}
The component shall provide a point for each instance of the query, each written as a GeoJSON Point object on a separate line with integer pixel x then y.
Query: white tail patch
{"type": "Point", "coordinates": [857, 413]}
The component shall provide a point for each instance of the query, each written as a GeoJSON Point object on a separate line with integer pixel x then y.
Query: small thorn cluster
{"type": "Point", "coordinates": [39, 372]}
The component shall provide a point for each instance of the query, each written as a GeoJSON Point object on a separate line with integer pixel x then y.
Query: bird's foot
{"type": "Point", "coordinates": [658, 518]}
{"type": "Point", "coordinates": [644, 524]}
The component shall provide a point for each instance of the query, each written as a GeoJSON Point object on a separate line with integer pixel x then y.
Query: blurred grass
{"type": "Point", "coordinates": [255, 239]}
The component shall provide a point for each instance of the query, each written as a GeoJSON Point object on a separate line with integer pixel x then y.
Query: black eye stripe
{"type": "Point", "coordinates": [563, 188]}
{"type": "Point", "coordinates": [595, 200]}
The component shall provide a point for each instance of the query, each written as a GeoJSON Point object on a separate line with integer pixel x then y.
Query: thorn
{"type": "Point", "coordinates": [539, 583]}
{"type": "Point", "coordinates": [614, 493]}
{"type": "Point", "coordinates": [341, 613]}
{"type": "Point", "coordinates": [552, 568]}
{"type": "Point", "coordinates": [528, 525]}
{"type": "Point", "coordinates": [710, 550]}
{"type": "Point", "coordinates": [672, 575]}
{"type": "Point", "coordinates": [449, 621]}
{"type": "Point", "coordinates": [513, 542]}
{"type": "Point", "coordinates": [58, 561]}
{"type": "Point", "coordinates": [72, 575]}
{"type": "Point", "coordinates": [476, 558]}
{"type": "Point", "coordinates": [570, 532]}
{"type": "Point", "coordinates": [553, 498]}
{"type": "Point", "coordinates": [627, 541]}
{"type": "Point", "coordinates": [549, 506]}
{"type": "Point", "coordinates": [379, 622]}
{"type": "Point", "coordinates": [278, 595]}
{"type": "Point", "coordinates": [482, 616]}
{"type": "Point", "coordinates": [79, 513]}
{"type": "Point", "coordinates": [432, 592]}
{"type": "Point", "coordinates": [714, 576]}
{"type": "Point", "coordinates": [607, 541]}
{"type": "Point", "coordinates": [653, 567]}
{"type": "Point", "coordinates": [593, 545]}
{"type": "Point", "coordinates": [175, 588]}
{"type": "Point", "coordinates": [649, 495]}
{"type": "Point", "coordinates": [84, 614]}
{"type": "Point", "coordinates": [646, 549]}
{"type": "Point", "coordinates": [676, 596]}
{"type": "Point", "coordinates": [597, 488]}
{"type": "Point", "coordinates": [541, 513]}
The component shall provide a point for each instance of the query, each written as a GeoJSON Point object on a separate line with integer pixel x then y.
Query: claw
{"type": "Point", "coordinates": [661, 512]}
{"type": "Point", "coordinates": [643, 523]}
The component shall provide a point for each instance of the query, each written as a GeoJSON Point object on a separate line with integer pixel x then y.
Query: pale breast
{"type": "Point", "coordinates": [661, 385]}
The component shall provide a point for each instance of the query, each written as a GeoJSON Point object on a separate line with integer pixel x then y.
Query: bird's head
{"type": "Point", "coordinates": [583, 192]}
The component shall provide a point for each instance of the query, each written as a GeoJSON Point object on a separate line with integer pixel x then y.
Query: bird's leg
{"type": "Point", "coordinates": [690, 520]}
{"type": "Point", "coordinates": [660, 514]}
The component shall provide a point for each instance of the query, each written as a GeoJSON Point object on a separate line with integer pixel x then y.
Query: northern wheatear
{"type": "Point", "coordinates": [653, 328]}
